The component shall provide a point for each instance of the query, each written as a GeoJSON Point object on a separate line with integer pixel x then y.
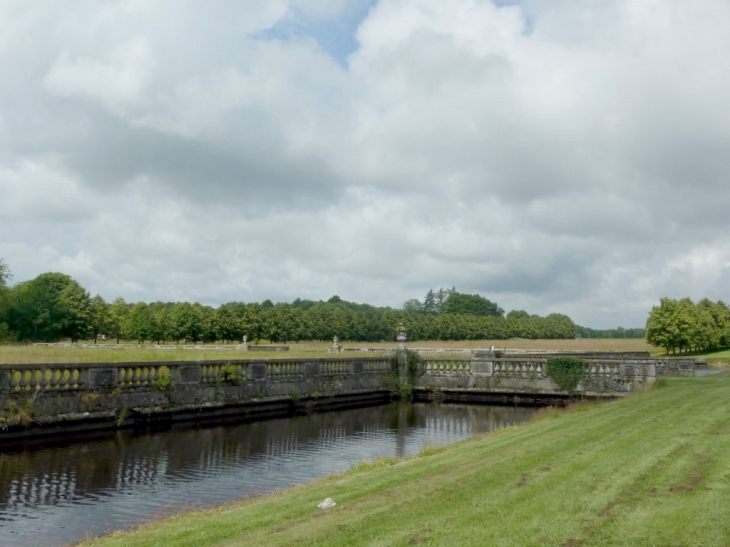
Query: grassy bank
{"type": "Point", "coordinates": [715, 358]}
{"type": "Point", "coordinates": [107, 353]}
{"type": "Point", "coordinates": [652, 469]}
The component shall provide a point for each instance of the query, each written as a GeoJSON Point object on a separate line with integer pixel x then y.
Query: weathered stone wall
{"type": "Point", "coordinates": [35, 397]}
{"type": "Point", "coordinates": [66, 388]}
{"type": "Point", "coordinates": [678, 367]}
{"type": "Point", "coordinates": [121, 394]}
{"type": "Point", "coordinates": [601, 377]}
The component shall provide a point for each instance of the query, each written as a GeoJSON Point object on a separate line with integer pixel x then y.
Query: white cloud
{"type": "Point", "coordinates": [40, 190]}
{"type": "Point", "coordinates": [554, 156]}
{"type": "Point", "coordinates": [115, 82]}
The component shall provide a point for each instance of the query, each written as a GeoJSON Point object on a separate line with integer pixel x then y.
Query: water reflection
{"type": "Point", "coordinates": [57, 495]}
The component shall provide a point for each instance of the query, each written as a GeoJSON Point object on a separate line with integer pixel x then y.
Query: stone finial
{"type": "Point", "coordinates": [400, 336]}
{"type": "Point", "coordinates": [244, 345]}
{"type": "Point", "coordinates": [335, 347]}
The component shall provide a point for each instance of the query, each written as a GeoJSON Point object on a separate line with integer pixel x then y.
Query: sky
{"type": "Point", "coordinates": [552, 155]}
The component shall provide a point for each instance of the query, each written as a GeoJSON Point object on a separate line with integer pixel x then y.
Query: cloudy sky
{"type": "Point", "coordinates": [552, 155]}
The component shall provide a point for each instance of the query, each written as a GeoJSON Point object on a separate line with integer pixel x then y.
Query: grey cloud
{"type": "Point", "coordinates": [579, 167]}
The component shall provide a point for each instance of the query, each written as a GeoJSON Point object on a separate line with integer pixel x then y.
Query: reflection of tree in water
{"type": "Point", "coordinates": [125, 461]}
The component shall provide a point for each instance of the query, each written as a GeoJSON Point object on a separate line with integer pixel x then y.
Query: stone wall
{"type": "Point", "coordinates": [678, 367]}
{"type": "Point", "coordinates": [34, 397]}
{"type": "Point", "coordinates": [601, 377]}
{"type": "Point", "coordinates": [64, 397]}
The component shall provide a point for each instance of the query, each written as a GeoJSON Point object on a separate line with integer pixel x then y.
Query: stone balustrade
{"type": "Point", "coordinates": [528, 374]}
{"type": "Point", "coordinates": [57, 389]}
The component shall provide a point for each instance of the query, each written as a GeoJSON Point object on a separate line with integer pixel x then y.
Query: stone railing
{"type": "Point", "coordinates": [58, 377]}
{"type": "Point", "coordinates": [43, 397]}
{"type": "Point", "coordinates": [439, 367]}
{"type": "Point", "coordinates": [678, 367]}
{"type": "Point", "coordinates": [114, 390]}
{"type": "Point", "coordinates": [530, 375]}
{"type": "Point", "coordinates": [51, 378]}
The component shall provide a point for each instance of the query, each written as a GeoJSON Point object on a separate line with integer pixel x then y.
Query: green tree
{"type": "Point", "coordinates": [229, 322]}
{"type": "Point", "coordinates": [413, 306]}
{"type": "Point", "coordinates": [100, 318]}
{"type": "Point", "coordinates": [185, 321]}
{"type": "Point", "coordinates": [721, 313]}
{"type": "Point", "coordinates": [668, 325]}
{"type": "Point", "coordinates": [6, 335]}
{"type": "Point", "coordinates": [429, 303]}
{"type": "Point", "coordinates": [517, 314]}
{"type": "Point", "coordinates": [558, 326]}
{"type": "Point", "coordinates": [252, 322]}
{"type": "Point", "coordinates": [49, 307]}
{"type": "Point", "coordinates": [209, 326]}
{"type": "Point", "coordinates": [470, 304]}
{"type": "Point", "coordinates": [118, 317]}
{"type": "Point", "coordinates": [75, 305]}
{"type": "Point", "coordinates": [139, 323]}
{"type": "Point", "coordinates": [162, 323]}
{"type": "Point", "coordinates": [706, 333]}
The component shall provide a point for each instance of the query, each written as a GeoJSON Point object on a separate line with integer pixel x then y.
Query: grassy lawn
{"type": "Point", "coordinates": [105, 352]}
{"type": "Point", "coordinates": [649, 470]}
{"type": "Point", "coordinates": [717, 358]}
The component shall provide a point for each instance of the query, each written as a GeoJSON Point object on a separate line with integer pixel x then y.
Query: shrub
{"type": "Point", "coordinates": [566, 372]}
{"type": "Point", "coordinates": [402, 388]}
{"type": "Point", "coordinates": [412, 365]}
{"type": "Point", "coordinates": [230, 373]}
{"type": "Point", "coordinates": [163, 382]}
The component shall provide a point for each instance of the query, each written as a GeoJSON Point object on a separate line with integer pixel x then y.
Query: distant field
{"type": "Point", "coordinates": [51, 354]}
{"type": "Point", "coordinates": [106, 352]}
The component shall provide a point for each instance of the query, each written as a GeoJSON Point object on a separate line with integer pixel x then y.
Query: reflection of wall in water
{"type": "Point", "coordinates": [128, 461]}
{"type": "Point", "coordinates": [44, 476]}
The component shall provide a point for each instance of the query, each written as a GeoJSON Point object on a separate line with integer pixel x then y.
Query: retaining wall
{"type": "Point", "coordinates": [41, 398]}
{"type": "Point", "coordinates": [601, 377]}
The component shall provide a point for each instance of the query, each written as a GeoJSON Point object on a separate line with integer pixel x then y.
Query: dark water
{"type": "Point", "coordinates": [709, 371]}
{"type": "Point", "coordinates": [57, 495]}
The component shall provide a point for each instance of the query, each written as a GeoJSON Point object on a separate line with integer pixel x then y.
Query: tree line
{"type": "Point", "coordinates": [618, 332]}
{"type": "Point", "coordinates": [684, 326]}
{"type": "Point", "coordinates": [53, 306]}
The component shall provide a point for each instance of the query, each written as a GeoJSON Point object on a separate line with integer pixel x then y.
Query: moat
{"type": "Point", "coordinates": [60, 494]}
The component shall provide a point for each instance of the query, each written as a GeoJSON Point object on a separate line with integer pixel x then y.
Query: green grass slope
{"type": "Point", "coordinates": [652, 469]}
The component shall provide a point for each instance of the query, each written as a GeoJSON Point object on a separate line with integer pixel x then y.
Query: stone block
{"type": "Point", "coordinates": [190, 374]}
{"type": "Point", "coordinates": [4, 381]}
{"type": "Point", "coordinates": [259, 371]}
{"type": "Point", "coordinates": [482, 368]}
{"type": "Point", "coordinates": [311, 369]}
{"type": "Point", "coordinates": [356, 367]}
{"type": "Point", "coordinates": [103, 378]}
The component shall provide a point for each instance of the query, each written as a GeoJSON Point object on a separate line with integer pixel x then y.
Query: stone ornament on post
{"type": "Point", "coordinates": [335, 347]}
{"type": "Point", "coordinates": [244, 345]}
{"type": "Point", "coordinates": [400, 336]}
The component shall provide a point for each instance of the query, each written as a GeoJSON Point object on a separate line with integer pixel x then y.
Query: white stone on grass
{"type": "Point", "coordinates": [326, 504]}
